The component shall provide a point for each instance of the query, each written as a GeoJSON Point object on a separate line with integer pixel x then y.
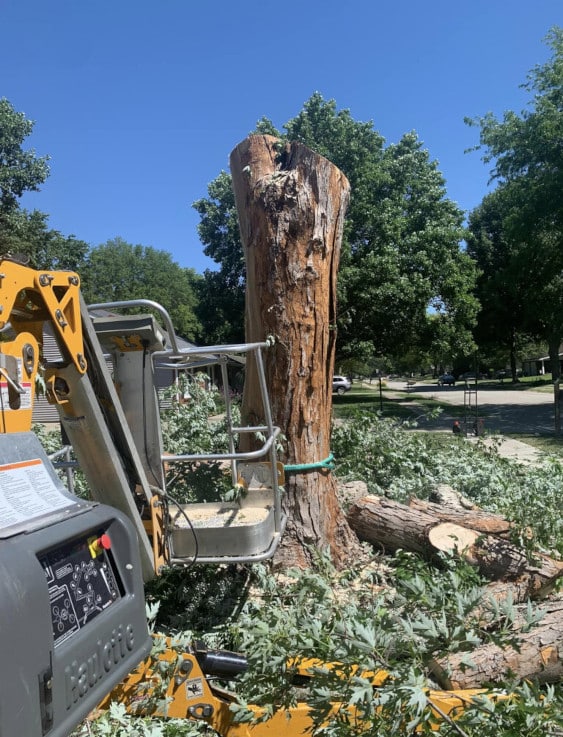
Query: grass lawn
{"type": "Point", "coordinates": [550, 444]}
{"type": "Point", "coordinates": [401, 405]}
{"type": "Point", "coordinates": [362, 398]}
{"type": "Point", "coordinates": [525, 383]}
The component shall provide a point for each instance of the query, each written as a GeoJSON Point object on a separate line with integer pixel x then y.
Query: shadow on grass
{"type": "Point", "coordinates": [355, 398]}
{"type": "Point", "coordinates": [400, 407]}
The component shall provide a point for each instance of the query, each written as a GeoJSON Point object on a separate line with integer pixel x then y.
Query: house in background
{"type": "Point", "coordinates": [540, 366]}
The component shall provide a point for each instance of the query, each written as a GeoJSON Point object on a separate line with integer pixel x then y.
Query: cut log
{"type": "Point", "coordinates": [388, 524]}
{"type": "Point", "coordinates": [515, 592]}
{"type": "Point", "coordinates": [391, 525]}
{"type": "Point", "coordinates": [500, 560]}
{"type": "Point", "coordinates": [447, 537]}
{"type": "Point", "coordinates": [475, 519]}
{"type": "Point", "coordinates": [447, 496]}
{"type": "Point", "coordinates": [551, 611]}
{"type": "Point", "coordinates": [536, 655]}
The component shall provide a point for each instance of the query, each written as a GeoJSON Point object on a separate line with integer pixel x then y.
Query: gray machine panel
{"type": "Point", "coordinates": [71, 610]}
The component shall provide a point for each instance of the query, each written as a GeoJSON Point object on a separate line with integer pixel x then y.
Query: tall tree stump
{"type": "Point", "coordinates": [291, 204]}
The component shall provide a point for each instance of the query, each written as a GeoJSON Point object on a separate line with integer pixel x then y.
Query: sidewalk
{"type": "Point", "coordinates": [510, 448]}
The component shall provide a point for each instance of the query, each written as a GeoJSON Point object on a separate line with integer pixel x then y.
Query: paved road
{"type": "Point", "coordinates": [503, 410]}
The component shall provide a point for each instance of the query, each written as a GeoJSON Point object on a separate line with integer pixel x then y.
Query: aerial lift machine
{"type": "Point", "coordinates": [72, 571]}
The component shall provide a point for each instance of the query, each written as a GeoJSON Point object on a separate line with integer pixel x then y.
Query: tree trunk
{"type": "Point", "coordinates": [383, 522]}
{"type": "Point", "coordinates": [537, 655]}
{"type": "Point", "coordinates": [291, 204]}
{"type": "Point", "coordinates": [554, 343]}
{"type": "Point", "coordinates": [513, 368]}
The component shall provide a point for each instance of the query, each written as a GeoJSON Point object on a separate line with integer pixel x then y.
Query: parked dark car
{"type": "Point", "coordinates": [446, 380]}
{"type": "Point", "coordinates": [468, 375]}
{"type": "Point", "coordinates": [341, 384]}
{"type": "Point", "coordinates": [506, 373]}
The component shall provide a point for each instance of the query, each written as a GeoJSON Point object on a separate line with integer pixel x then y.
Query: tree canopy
{"type": "Point", "coordinates": [526, 153]}
{"type": "Point", "coordinates": [221, 293]}
{"type": "Point", "coordinates": [23, 171]}
{"type": "Point", "coordinates": [404, 281]}
{"type": "Point", "coordinates": [20, 171]}
{"type": "Point", "coordinates": [503, 326]}
{"type": "Point", "coordinates": [116, 271]}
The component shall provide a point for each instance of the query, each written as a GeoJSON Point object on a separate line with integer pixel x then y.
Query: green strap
{"type": "Point", "coordinates": [295, 468]}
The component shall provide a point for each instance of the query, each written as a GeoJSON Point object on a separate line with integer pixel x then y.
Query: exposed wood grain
{"type": "Point", "coordinates": [387, 523]}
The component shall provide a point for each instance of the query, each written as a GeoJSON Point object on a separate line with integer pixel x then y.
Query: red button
{"type": "Point", "coordinates": [104, 541]}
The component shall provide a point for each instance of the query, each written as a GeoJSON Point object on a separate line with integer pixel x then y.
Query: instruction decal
{"type": "Point", "coordinates": [27, 491]}
{"type": "Point", "coordinates": [24, 398]}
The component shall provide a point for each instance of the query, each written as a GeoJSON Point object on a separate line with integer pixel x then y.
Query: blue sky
{"type": "Point", "coordinates": [140, 102]}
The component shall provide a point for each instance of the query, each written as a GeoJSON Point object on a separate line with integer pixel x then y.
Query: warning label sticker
{"type": "Point", "coordinates": [27, 491]}
{"type": "Point", "coordinates": [194, 688]}
{"type": "Point", "coordinates": [24, 399]}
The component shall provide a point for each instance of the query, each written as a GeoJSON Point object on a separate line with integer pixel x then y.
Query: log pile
{"type": "Point", "coordinates": [450, 523]}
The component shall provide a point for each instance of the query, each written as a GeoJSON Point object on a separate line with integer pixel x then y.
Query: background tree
{"type": "Point", "coordinates": [44, 247]}
{"type": "Point", "coordinates": [401, 261]}
{"type": "Point", "coordinates": [407, 282]}
{"type": "Point", "coordinates": [117, 271]}
{"type": "Point", "coordinates": [23, 171]}
{"type": "Point", "coordinates": [503, 326]}
{"type": "Point", "coordinates": [20, 171]}
{"type": "Point", "coordinates": [221, 293]}
{"type": "Point", "coordinates": [527, 153]}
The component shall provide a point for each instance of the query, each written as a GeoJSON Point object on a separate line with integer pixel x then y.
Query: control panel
{"type": "Point", "coordinates": [71, 597]}
{"type": "Point", "coordinates": [82, 583]}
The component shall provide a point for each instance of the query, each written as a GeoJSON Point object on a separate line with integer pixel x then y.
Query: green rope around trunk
{"type": "Point", "coordinates": [327, 463]}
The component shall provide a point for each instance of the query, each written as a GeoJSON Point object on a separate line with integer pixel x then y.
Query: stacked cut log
{"type": "Point", "coordinates": [452, 524]}
{"type": "Point", "coordinates": [536, 655]}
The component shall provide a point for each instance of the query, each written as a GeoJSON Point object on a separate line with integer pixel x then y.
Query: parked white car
{"type": "Point", "coordinates": [341, 384]}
